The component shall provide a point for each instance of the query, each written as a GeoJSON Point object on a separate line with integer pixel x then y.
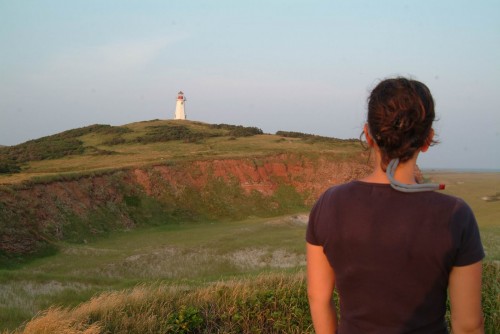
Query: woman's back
{"type": "Point", "coordinates": [392, 259]}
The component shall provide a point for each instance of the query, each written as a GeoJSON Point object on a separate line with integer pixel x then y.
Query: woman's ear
{"type": "Point", "coordinates": [369, 139]}
{"type": "Point", "coordinates": [428, 141]}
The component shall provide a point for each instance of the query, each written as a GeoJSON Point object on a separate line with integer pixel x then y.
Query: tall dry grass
{"type": "Point", "coordinates": [269, 303]}
{"type": "Point", "coordinates": [272, 303]}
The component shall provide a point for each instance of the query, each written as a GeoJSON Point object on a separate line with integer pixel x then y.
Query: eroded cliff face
{"type": "Point", "coordinates": [32, 217]}
{"type": "Point", "coordinates": [309, 177]}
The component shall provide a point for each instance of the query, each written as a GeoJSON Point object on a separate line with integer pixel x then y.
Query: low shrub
{"type": "Point", "coordinates": [50, 147]}
{"type": "Point", "coordinates": [118, 140]}
{"type": "Point", "coordinates": [9, 167]}
{"type": "Point", "coordinates": [55, 146]}
{"type": "Point", "coordinates": [238, 130]}
{"type": "Point", "coordinates": [313, 138]}
{"type": "Point", "coordinates": [164, 133]}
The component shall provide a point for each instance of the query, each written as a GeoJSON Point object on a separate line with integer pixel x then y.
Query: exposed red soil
{"type": "Point", "coordinates": [31, 213]}
{"type": "Point", "coordinates": [263, 174]}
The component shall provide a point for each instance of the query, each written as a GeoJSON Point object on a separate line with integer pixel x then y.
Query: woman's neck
{"type": "Point", "coordinates": [405, 172]}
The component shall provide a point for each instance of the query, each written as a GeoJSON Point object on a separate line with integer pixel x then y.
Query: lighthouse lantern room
{"type": "Point", "coordinates": [179, 106]}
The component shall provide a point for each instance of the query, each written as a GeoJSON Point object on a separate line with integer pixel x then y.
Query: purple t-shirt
{"type": "Point", "coordinates": [392, 253]}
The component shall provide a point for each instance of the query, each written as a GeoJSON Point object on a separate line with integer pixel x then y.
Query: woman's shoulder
{"type": "Point", "coordinates": [348, 190]}
{"type": "Point", "coordinates": [455, 202]}
{"type": "Point", "coordinates": [342, 188]}
{"type": "Point", "coordinates": [355, 186]}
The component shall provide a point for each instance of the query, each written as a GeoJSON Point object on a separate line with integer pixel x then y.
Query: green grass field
{"type": "Point", "coordinates": [194, 254]}
{"type": "Point", "coordinates": [188, 254]}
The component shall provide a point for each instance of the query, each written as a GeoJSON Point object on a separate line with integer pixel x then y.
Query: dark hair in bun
{"type": "Point", "coordinates": [400, 116]}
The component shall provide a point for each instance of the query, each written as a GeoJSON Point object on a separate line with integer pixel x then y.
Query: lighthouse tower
{"type": "Point", "coordinates": [179, 106]}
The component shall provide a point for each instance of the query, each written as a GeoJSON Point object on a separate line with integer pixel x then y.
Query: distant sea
{"type": "Point", "coordinates": [461, 170]}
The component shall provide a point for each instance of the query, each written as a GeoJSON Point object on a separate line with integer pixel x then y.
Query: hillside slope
{"type": "Point", "coordinates": [86, 182]}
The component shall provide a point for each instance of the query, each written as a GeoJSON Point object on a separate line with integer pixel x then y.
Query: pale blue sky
{"type": "Point", "coordinates": [279, 65]}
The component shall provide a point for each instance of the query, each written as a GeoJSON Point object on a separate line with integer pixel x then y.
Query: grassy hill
{"type": "Point", "coordinates": [102, 147]}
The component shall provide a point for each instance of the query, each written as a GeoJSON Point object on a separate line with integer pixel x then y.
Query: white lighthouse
{"type": "Point", "coordinates": [179, 106]}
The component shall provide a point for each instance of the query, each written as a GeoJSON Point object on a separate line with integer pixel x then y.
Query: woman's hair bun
{"type": "Point", "coordinates": [400, 117]}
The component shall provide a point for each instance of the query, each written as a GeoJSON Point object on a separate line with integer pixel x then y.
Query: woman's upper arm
{"type": "Point", "coordinates": [320, 275]}
{"type": "Point", "coordinates": [465, 298]}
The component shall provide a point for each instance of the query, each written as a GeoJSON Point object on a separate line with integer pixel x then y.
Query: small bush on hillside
{"type": "Point", "coordinates": [313, 138]}
{"type": "Point", "coordinates": [55, 146]}
{"type": "Point", "coordinates": [241, 131]}
{"type": "Point", "coordinates": [22, 239]}
{"type": "Point", "coordinates": [107, 129]}
{"type": "Point", "coordinates": [97, 128]}
{"type": "Point", "coordinates": [164, 133]}
{"type": "Point", "coordinates": [92, 150]}
{"type": "Point", "coordinates": [44, 148]}
{"type": "Point", "coordinates": [9, 167]}
{"type": "Point", "coordinates": [238, 130]}
{"type": "Point", "coordinates": [115, 141]}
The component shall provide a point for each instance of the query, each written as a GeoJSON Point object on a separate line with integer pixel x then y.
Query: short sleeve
{"type": "Point", "coordinates": [311, 232]}
{"type": "Point", "coordinates": [315, 227]}
{"type": "Point", "coordinates": [466, 237]}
